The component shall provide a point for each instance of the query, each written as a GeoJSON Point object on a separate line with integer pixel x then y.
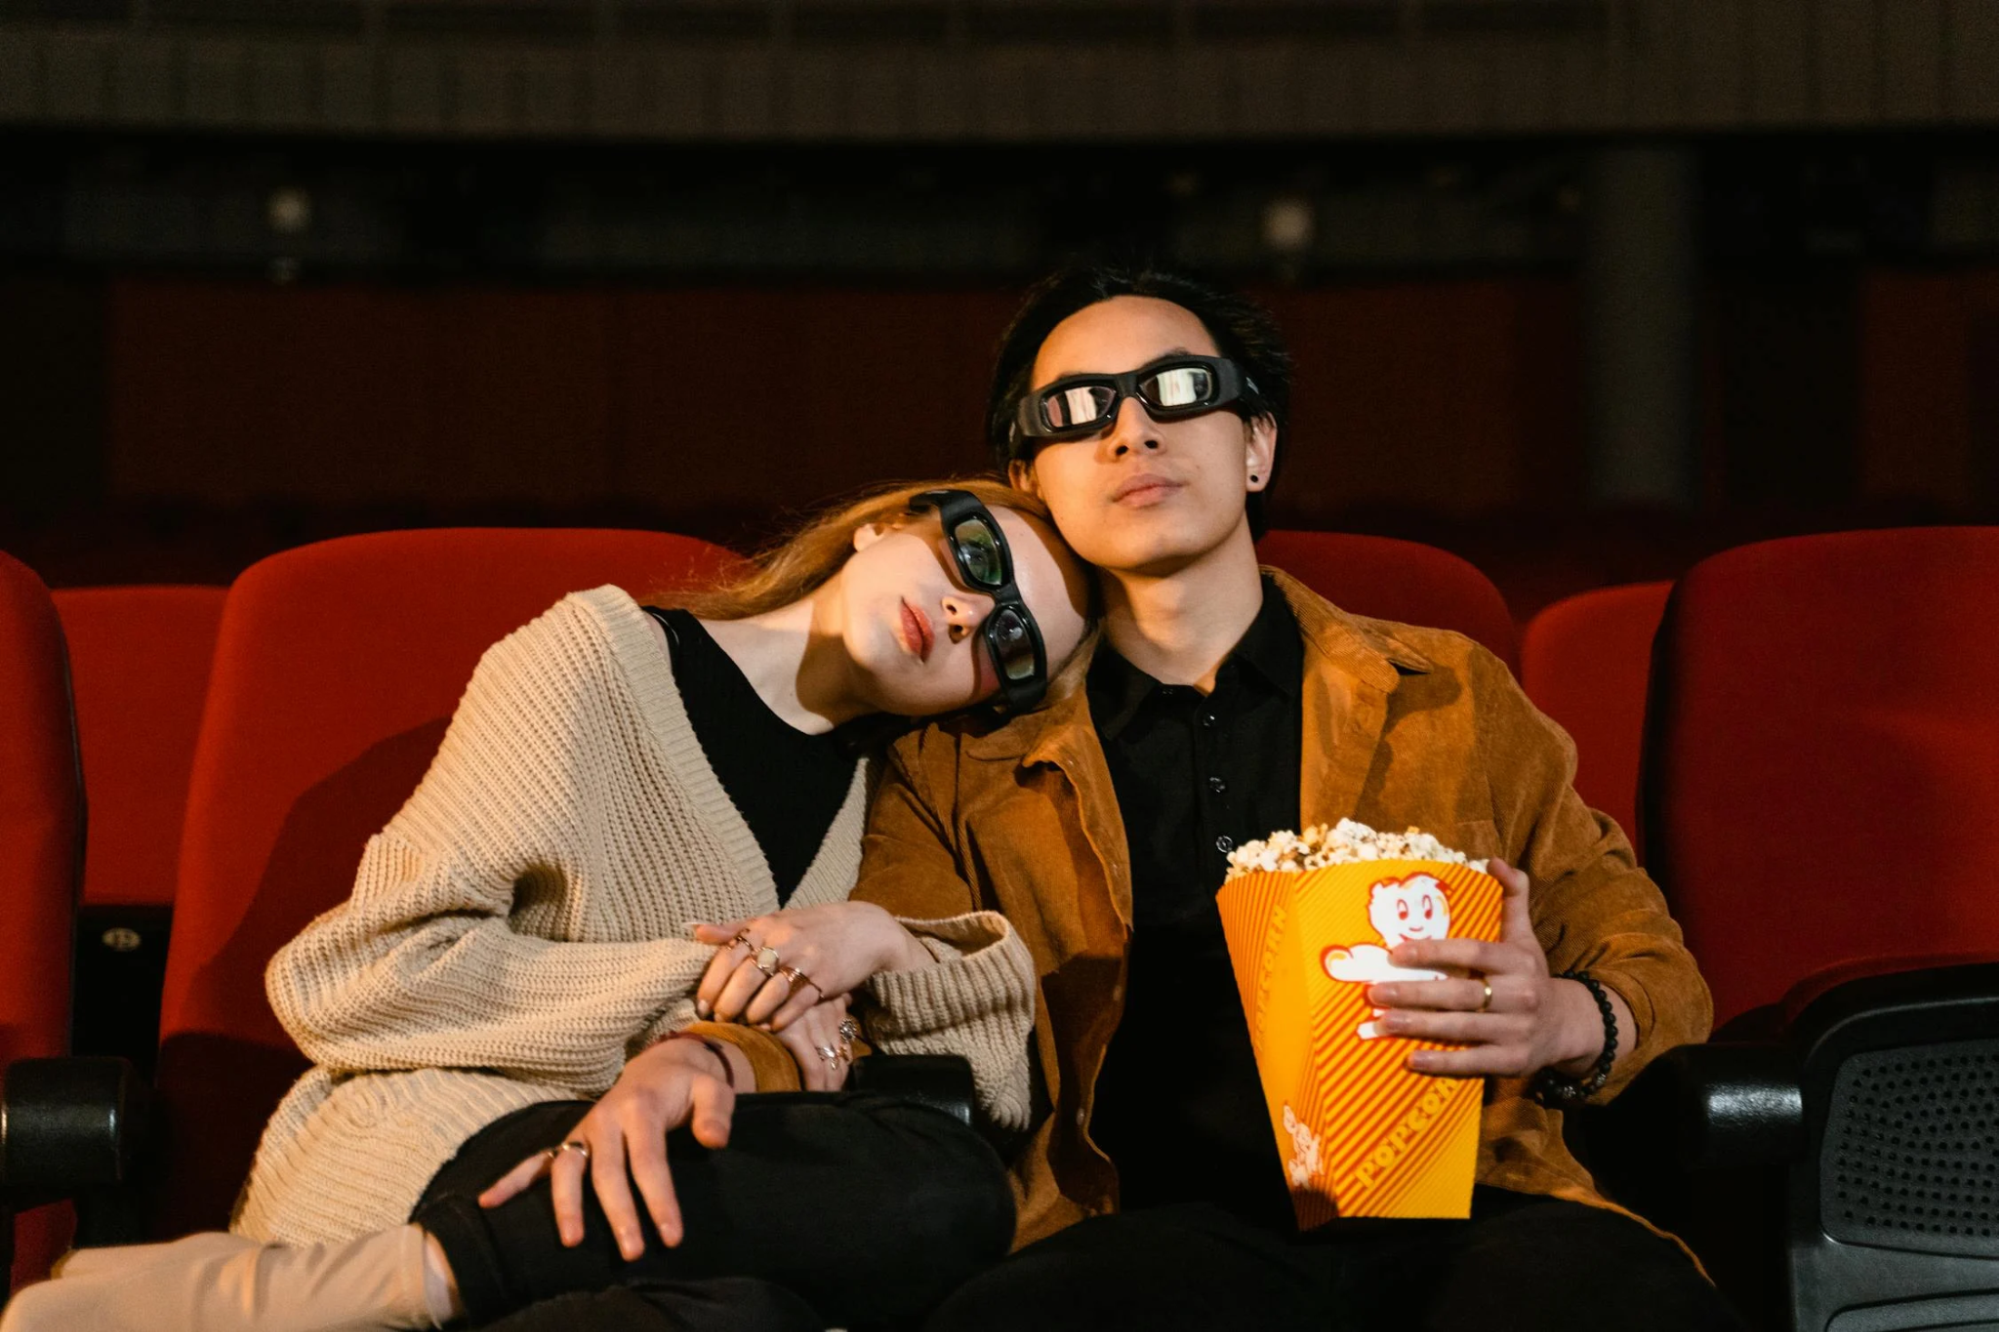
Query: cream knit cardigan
{"type": "Point", "coordinates": [520, 929]}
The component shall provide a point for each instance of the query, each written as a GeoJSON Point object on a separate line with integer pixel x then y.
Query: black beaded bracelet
{"type": "Point", "coordinates": [1551, 1087]}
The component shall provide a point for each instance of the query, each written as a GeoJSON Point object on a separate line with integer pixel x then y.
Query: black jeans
{"type": "Point", "coordinates": [1519, 1262]}
{"type": "Point", "coordinates": [844, 1209]}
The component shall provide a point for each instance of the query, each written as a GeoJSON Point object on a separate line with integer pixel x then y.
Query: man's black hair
{"type": "Point", "coordinates": [1243, 331]}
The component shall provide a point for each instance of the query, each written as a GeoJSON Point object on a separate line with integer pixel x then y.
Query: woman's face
{"type": "Point", "coordinates": [910, 623]}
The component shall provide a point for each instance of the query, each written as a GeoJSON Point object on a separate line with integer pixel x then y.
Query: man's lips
{"type": "Point", "coordinates": [1144, 489]}
{"type": "Point", "coordinates": [917, 635]}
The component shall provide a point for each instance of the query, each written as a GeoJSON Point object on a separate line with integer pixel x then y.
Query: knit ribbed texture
{"type": "Point", "coordinates": [521, 928]}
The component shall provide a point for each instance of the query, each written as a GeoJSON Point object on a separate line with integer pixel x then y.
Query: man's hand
{"type": "Point", "coordinates": [1532, 1021]}
{"type": "Point", "coordinates": [675, 1083]}
{"type": "Point", "coordinates": [821, 952]}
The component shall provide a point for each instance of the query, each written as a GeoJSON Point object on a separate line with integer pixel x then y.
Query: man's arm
{"type": "Point", "coordinates": [1592, 908]}
{"type": "Point", "coordinates": [979, 1001]}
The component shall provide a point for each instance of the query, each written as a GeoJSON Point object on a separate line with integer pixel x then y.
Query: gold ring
{"type": "Point", "coordinates": [767, 961]}
{"type": "Point", "coordinates": [573, 1145]}
{"type": "Point", "coordinates": [741, 937]}
{"type": "Point", "coordinates": [1485, 1005]}
{"type": "Point", "coordinates": [794, 978]}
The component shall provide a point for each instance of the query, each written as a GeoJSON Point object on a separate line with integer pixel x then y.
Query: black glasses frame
{"type": "Point", "coordinates": [952, 507]}
{"type": "Point", "coordinates": [1031, 421]}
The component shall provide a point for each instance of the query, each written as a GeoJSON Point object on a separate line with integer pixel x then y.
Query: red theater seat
{"type": "Point", "coordinates": [1391, 579]}
{"type": "Point", "coordinates": [140, 657]}
{"type": "Point", "coordinates": [41, 831]}
{"type": "Point", "coordinates": [1822, 797]}
{"type": "Point", "coordinates": [1585, 661]}
{"type": "Point", "coordinates": [336, 669]}
{"type": "Point", "coordinates": [1825, 764]}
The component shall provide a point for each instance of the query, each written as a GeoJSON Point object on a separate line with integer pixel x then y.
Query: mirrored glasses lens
{"type": "Point", "coordinates": [1013, 645]}
{"type": "Point", "coordinates": [1178, 386]}
{"type": "Point", "coordinates": [1080, 405]}
{"type": "Point", "coordinates": [979, 552]}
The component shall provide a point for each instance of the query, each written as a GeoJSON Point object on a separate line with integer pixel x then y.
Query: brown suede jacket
{"type": "Point", "coordinates": [1403, 726]}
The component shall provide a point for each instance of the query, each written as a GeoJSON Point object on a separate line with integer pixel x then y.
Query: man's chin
{"type": "Point", "coordinates": [1155, 549]}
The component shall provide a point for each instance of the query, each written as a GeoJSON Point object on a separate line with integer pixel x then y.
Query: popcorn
{"type": "Point", "coordinates": [1345, 843]}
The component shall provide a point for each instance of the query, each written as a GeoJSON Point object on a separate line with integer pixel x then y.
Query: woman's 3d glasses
{"type": "Point", "coordinates": [1171, 387]}
{"type": "Point", "coordinates": [1012, 639]}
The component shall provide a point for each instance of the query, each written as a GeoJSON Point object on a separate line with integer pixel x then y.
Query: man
{"type": "Point", "coordinates": [1223, 703]}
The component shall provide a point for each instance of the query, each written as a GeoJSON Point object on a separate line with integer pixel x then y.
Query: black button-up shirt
{"type": "Point", "coordinates": [1179, 1107]}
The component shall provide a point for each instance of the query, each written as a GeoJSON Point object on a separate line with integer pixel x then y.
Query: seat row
{"type": "Point", "coordinates": [1797, 729]}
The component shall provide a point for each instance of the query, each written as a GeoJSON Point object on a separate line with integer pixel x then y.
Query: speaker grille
{"type": "Point", "coordinates": [1911, 1153]}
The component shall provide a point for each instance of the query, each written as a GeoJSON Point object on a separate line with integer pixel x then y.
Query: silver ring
{"type": "Point", "coordinates": [768, 961]}
{"type": "Point", "coordinates": [830, 1054]}
{"type": "Point", "coordinates": [850, 1029]}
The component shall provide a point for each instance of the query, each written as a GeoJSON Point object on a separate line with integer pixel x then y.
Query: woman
{"type": "Point", "coordinates": [616, 779]}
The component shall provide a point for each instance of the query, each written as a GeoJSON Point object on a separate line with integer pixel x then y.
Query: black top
{"type": "Point", "coordinates": [1179, 1107]}
{"type": "Point", "coordinates": [788, 785]}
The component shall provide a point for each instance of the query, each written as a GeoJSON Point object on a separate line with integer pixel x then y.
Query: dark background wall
{"type": "Point", "coordinates": [230, 322]}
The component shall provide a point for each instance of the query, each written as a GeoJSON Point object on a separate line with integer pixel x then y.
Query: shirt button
{"type": "Point", "coordinates": [1082, 1117]}
{"type": "Point", "coordinates": [1217, 786]}
{"type": "Point", "coordinates": [1225, 844]}
{"type": "Point", "coordinates": [1207, 719]}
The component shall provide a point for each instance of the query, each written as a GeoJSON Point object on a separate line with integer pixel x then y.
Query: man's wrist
{"type": "Point", "coordinates": [1581, 1028]}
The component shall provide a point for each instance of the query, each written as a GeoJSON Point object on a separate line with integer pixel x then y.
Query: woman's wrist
{"type": "Point", "coordinates": [704, 1054]}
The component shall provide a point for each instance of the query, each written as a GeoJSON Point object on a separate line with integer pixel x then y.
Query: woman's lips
{"type": "Point", "coordinates": [1143, 490]}
{"type": "Point", "coordinates": [917, 636]}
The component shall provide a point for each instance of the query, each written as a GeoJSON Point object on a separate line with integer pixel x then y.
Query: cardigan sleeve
{"type": "Point", "coordinates": [978, 1001]}
{"type": "Point", "coordinates": [423, 965]}
{"type": "Point", "coordinates": [1593, 908]}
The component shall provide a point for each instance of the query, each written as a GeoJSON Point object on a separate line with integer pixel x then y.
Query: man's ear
{"type": "Point", "coordinates": [1259, 437]}
{"type": "Point", "coordinates": [867, 535]}
{"type": "Point", "coordinates": [1020, 475]}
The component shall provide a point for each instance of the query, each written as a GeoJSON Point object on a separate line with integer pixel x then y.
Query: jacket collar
{"type": "Point", "coordinates": [1341, 651]}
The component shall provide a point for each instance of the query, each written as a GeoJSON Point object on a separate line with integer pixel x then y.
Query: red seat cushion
{"type": "Point", "coordinates": [337, 667]}
{"type": "Point", "coordinates": [140, 659]}
{"type": "Point", "coordinates": [41, 828]}
{"type": "Point", "coordinates": [1390, 579]}
{"type": "Point", "coordinates": [1585, 661]}
{"type": "Point", "coordinates": [1823, 781]}
{"type": "Point", "coordinates": [41, 819]}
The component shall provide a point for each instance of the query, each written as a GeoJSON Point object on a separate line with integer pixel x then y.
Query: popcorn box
{"type": "Point", "coordinates": [1359, 1134]}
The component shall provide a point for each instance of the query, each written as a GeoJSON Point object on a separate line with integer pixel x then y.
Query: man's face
{"type": "Point", "coordinates": [1144, 496]}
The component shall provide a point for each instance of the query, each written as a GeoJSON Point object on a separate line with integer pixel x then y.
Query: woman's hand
{"type": "Point", "coordinates": [675, 1082]}
{"type": "Point", "coordinates": [770, 970]}
{"type": "Point", "coordinates": [821, 1045]}
{"type": "Point", "coordinates": [1532, 1020]}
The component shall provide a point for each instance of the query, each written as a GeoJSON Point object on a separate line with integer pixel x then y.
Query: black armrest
{"type": "Point", "coordinates": [941, 1082]}
{"type": "Point", "coordinates": [68, 1125]}
{"type": "Point", "coordinates": [1700, 1108]}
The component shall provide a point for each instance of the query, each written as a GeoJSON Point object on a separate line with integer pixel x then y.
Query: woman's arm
{"type": "Point", "coordinates": [423, 966]}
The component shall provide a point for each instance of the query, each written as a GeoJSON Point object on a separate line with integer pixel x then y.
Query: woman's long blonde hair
{"type": "Point", "coordinates": [794, 566]}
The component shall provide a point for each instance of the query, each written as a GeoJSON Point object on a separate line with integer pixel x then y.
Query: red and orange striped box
{"type": "Point", "coordinates": [1360, 1135]}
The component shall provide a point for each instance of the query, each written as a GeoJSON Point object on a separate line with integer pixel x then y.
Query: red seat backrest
{"type": "Point", "coordinates": [1822, 766]}
{"type": "Point", "coordinates": [140, 657]}
{"type": "Point", "coordinates": [337, 667]}
{"type": "Point", "coordinates": [1390, 579]}
{"type": "Point", "coordinates": [41, 836]}
{"type": "Point", "coordinates": [1585, 661]}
